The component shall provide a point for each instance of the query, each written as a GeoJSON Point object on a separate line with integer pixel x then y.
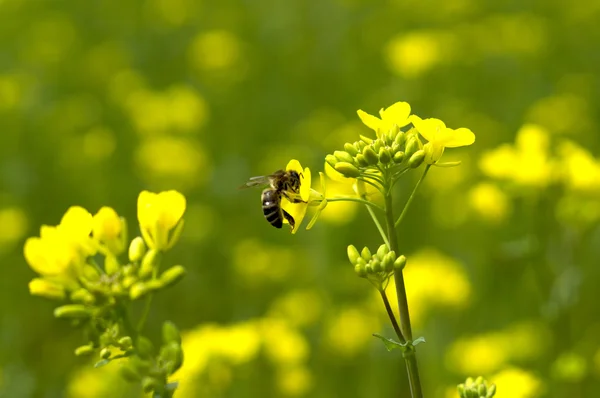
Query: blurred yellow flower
{"type": "Point", "coordinates": [161, 218]}
{"type": "Point", "coordinates": [284, 344]}
{"type": "Point", "coordinates": [14, 225]}
{"type": "Point", "coordinates": [516, 383]}
{"type": "Point", "coordinates": [433, 280]}
{"type": "Point", "coordinates": [527, 163]}
{"type": "Point", "coordinates": [579, 169]}
{"type": "Point", "coordinates": [440, 137]}
{"type": "Point", "coordinates": [395, 115]}
{"type": "Point", "coordinates": [108, 228]}
{"type": "Point", "coordinates": [298, 210]}
{"type": "Point", "coordinates": [415, 53]}
{"type": "Point", "coordinates": [489, 202]}
{"type": "Point", "coordinates": [357, 325]}
{"type": "Point", "coordinates": [294, 380]}
{"type": "Point", "coordinates": [253, 264]}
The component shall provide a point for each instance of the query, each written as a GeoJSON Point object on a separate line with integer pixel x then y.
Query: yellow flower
{"type": "Point", "coordinates": [108, 228]}
{"type": "Point", "coordinates": [161, 218]}
{"type": "Point", "coordinates": [298, 210]}
{"type": "Point", "coordinates": [395, 115]}
{"type": "Point", "coordinates": [440, 137]}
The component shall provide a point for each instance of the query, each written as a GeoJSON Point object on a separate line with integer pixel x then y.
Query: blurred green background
{"type": "Point", "coordinates": [102, 99]}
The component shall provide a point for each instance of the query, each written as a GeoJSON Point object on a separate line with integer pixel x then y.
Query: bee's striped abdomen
{"type": "Point", "coordinates": [271, 205]}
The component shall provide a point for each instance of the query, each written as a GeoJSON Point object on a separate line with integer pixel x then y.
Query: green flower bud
{"type": "Point", "coordinates": [479, 380]}
{"type": "Point", "coordinates": [461, 390]}
{"type": "Point", "coordinates": [400, 263]}
{"type": "Point", "coordinates": [491, 391]}
{"type": "Point", "coordinates": [353, 254]}
{"type": "Point", "coordinates": [129, 270]}
{"type": "Point", "coordinates": [144, 347]}
{"type": "Point", "coordinates": [395, 148]}
{"type": "Point", "coordinates": [382, 251]}
{"type": "Point", "coordinates": [111, 264]}
{"type": "Point", "coordinates": [412, 146]}
{"type": "Point", "coordinates": [72, 311]}
{"type": "Point", "coordinates": [357, 147]}
{"type": "Point", "coordinates": [117, 290]}
{"type": "Point", "coordinates": [377, 145]}
{"type": "Point", "coordinates": [84, 350]}
{"type": "Point", "coordinates": [45, 288]}
{"type": "Point", "coordinates": [105, 353]}
{"type": "Point", "coordinates": [384, 155]}
{"type": "Point", "coordinates": [128, 281]}
{"type": "Point", "coordinates": [482, 390]}
{"type": "Point", "coordinates": [366, 254]}
{"type": "Point", "coordinates": [172, 275]}
{"type": "Point", "coordinates": [400, 138]}
{"type": "Point", "coordinates": [137, 290]}
{"type": "Point", "coordinates": [370, 156]}
{"type": "Point", "coordinates": [390, 136]}
{"type": "Point", "coordinates": [129, 373]}
{"type": "Point", "coordinates": [360, 160]}
{"type": "Point", "coordinates": [369, 268]}
{"type": "Point", "coordinates": [347, 169]}
{"type": "Point", "coordinates": [90, 273]}
{"type": "Point", "coordinates": [343, 156]}
{"type": "Point", "coordinates": [376, 265]}
{"type": "Point", "coordinates": [361, 145]}
{"type": "Point", "coordinates": [366, 140]}
{"type": "Point", "coordinates": [351, 149]}
{"type": "Point", "coordinates": [416, 159]}
{"type": "Point", "coordinates": [125, 343]}
{"type": "Point", "coordinates": [361, 270]}
{"type": "Point", "coordinates": [398, 157]}
{"type": "Point", "coordinates": [150, 384]}
{"type": "Point", "coordinates": [82, 296]}
{"type": "Point", "coordinates": [137, 249]}
{"type": "Point", "coordinates": [149, 262]}
{"type": "Point", "coordinates": [154, 284]}
{"type": "Point", "coordinates": [172, 354]}
{"type": "Point", "coordinates": [331, 160]}
{"type": "Point", "coordinates": [388, 261]}
{"type": "Point", "coordinates": [170, 333]}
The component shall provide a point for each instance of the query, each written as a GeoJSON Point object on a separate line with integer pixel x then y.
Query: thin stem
{"type": "Point", "coordinates": [412, 196]}
{"type": "Point", "coordinates": [410, 358]}
{"type": "Point", "coordinates": [359, 200]}
{"type": "Point", "coordinates": [146, 310]}
{"type": "Point", "coordinates": [390, 313]}
{"type": "Point", "coordinates": [371, 183]}
{"type": "Point", "coordinates": [378, 225]}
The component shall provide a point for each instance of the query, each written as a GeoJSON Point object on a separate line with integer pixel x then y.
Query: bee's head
{"type": "Point", "coordinates": [295, 179]}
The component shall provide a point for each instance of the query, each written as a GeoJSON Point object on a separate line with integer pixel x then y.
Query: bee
{"type": "Point", "coordinates": [280, 184]}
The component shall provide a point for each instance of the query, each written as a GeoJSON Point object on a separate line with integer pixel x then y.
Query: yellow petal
{"type": "Point", "coordinates": [428, 128]}
{"type": "Point", "coordinates": [171, 205]}
{"type": "Point", "coordinates": [77, 222]}
{"type": "Point", "coordinates": [305, 183]}
{"type": "Point", "coordinates": [107, 224]}
{"type": "Point", "coordinates": [397, 114]}
{"type": "Point", "coordinates": [370, 121]}
{"type": "Point", "coordinates": [144, 209]}
{"type": "Point", "coordinates": [460, 137]}
{"type": "Point", "coordinates": [294, 165]}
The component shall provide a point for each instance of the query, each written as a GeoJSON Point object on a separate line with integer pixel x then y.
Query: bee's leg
{"type": "Point", "coordinates": [293, 199]}
{"type": "Point", "coordinates": [289, 218]}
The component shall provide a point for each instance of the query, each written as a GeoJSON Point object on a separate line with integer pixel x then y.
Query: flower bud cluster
{"type": "Point", "coordinates": [377, 267]}
{"type": "Point", "coordinates": [477, 388]}
{"type": "Point", "coordinates": [392, 148]}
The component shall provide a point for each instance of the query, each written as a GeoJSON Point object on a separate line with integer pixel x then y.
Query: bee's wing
{"type": "Point", "coordinates": [257, 181]}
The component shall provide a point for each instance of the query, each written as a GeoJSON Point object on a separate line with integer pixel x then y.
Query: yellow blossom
{"type": "Point", "coordinates": [397, 114]}
{"type": "Point", "coordinates": [440, 137]}
{"type": "Point", "coordinates": [161, 218]}
{"type": "Point", "coordinates": [108, 228]}
{"type": "Point", "coordinates": [298, 210]}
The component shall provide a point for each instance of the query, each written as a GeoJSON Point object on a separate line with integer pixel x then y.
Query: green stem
{"type": "Point", "coordinates": [410, 358]}
{"type": "Point", "coordinates": [378, 225]}
{"type": "Point", "coordinates": [390, 313]}
{"type": "Point", "coordinates": [358, 200]}
{"type": "Point", "coordinates": [412, 196]}
{"type": "Point", "coordinates": [146, 310]}
{"type": "Point", "coordinates": [371, 183]}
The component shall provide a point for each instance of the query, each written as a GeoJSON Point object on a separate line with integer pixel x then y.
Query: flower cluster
{"type": "Point", "coordinates": [78, 262]}
{"type": "Point", "coordinates": [477, 388]}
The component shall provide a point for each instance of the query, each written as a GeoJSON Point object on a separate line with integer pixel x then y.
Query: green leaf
{"type": "Point", "coordinates": [418, 341]}
{"type": "Point", "coordinates": [389, 343]}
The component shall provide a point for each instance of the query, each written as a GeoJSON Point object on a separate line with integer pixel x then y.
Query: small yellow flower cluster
{"type": "Point", "coordinates": [78, 262]}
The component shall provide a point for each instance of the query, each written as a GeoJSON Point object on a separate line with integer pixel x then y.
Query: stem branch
{"type": "Point", "coordinates": [412, 196]}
